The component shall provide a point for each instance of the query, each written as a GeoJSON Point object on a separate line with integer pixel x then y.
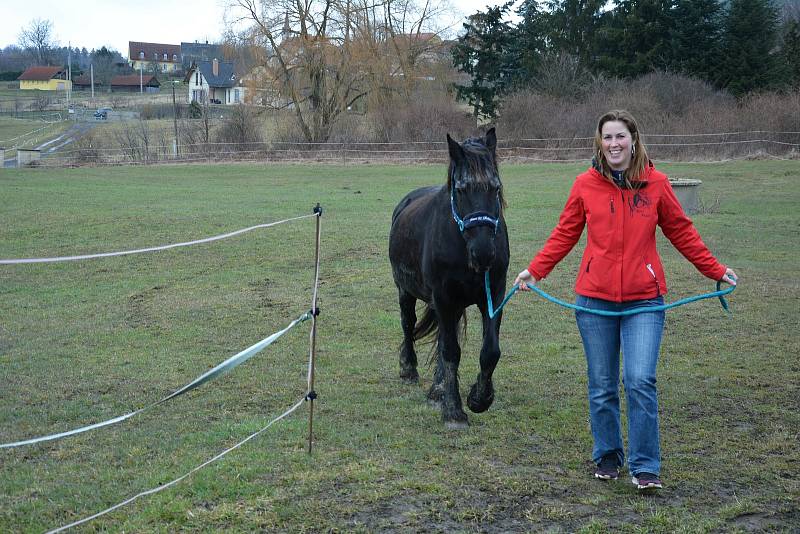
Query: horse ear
{"type": "Point", "coordinates": [456, 152]}
{"type": "Point", "coordinates": [491, 140]}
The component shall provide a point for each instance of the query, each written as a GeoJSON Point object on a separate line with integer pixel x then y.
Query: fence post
{"type": "Point", "coordinates": [311, 395]}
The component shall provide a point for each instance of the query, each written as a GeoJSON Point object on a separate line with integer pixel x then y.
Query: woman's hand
{"type": "Point", "coordinates": [729, 277]}
{"type": "Point", "coordinates": [523, 278]}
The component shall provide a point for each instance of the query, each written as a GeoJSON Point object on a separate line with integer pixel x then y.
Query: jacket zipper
{"type": "Point", "coordinates": [612, 205]}
{"type": "Point", "coordinates": [655, 278]}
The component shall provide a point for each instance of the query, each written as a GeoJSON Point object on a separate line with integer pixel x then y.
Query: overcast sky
{"type": "Point", "coordinates": [93, 24]}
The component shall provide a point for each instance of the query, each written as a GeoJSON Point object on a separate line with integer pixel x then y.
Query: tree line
{"type": "Point", "coordinates": [741, 46]}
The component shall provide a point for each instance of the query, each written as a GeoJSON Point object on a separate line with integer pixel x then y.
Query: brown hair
{"type": "Point", "coordinates": [639, 160]}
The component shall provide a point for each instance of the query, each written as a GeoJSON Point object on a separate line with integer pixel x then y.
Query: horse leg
{"type": "Point", "coordinates": [450, 353]}
{"type": "Point", "coordinates": [408, 356]}
{"type": "Point", "coordinates": [436, 392]}
{"type": "Point", "coordinates": [481, 395]}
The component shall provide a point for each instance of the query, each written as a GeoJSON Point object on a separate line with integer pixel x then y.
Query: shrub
{"type": "Point", "coordinates": [428, 116]}
{"type": "Point", "coordinates": [240, 131]}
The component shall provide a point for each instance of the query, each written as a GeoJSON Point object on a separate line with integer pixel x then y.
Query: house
{"type": "Point", "coordinates": [44, 79]}
{"type": "Point", "coordinates": [133, 83]}
{"type": "Point", "coordinates": [214, 82]}
{"type": "Point", "coordinates": [148, 57]}
{"type": "Point", "coordinates": [196, 52]}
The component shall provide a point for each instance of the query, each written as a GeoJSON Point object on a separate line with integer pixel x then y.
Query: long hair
{"type": "Point", "coordinates": [639, 161]}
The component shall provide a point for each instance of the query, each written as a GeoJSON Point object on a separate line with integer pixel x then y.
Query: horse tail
{"type": "Point", "coordinates": [427, 325]}
{"type": "Point", "coordinates": [427, 328]}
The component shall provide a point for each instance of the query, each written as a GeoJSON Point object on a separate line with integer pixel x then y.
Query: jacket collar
{"type": "Point", "coordinates": [597, 172]}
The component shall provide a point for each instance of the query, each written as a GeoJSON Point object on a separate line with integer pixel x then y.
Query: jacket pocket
{"type": "Point", "coordinates": [645, 279]}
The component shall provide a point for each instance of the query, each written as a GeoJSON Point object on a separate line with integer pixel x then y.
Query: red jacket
{"type": "Point", "coordinates": [621, 262]}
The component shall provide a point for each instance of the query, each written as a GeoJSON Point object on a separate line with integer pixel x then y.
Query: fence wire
{"type": "Point", "coordinates": [668, 147]}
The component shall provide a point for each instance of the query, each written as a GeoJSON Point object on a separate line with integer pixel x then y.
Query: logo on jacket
{"type": "Point", "coordinates": [639, 203]}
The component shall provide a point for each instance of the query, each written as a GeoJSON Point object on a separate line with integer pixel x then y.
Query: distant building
{"type": "Point", "coordinates": [84, 83]}
{"type": "Point", "coordinates": [133, 83]}
{"type": "Point", "coordinates": [44, 79]}
{"type": "Point", "coordinates": [214, 82]}
{"type": "Point", "coordinates": [198, 52]}
{"type": "Point", "coordinates": [147, 56]}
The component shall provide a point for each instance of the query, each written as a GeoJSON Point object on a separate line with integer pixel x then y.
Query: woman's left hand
{"type": "Point", "coordinates": [729, 277]}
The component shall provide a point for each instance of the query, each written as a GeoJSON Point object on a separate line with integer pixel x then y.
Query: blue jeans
{"type": "Point", "coordinates": [639, 336]}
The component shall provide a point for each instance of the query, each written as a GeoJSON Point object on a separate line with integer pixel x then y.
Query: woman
{"type": "Point", "coordinates": [621, 199]}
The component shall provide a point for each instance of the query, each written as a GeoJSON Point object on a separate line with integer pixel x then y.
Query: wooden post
{"type": "Point", "coordinates": [175, 118]}
{"type": "Point", "coordinates": [314, 314]}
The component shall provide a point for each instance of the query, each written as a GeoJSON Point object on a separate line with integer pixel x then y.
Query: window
{"type": "Point", "coordinates": [165, 56]}
{"type": "Point", "coordinates": [174, 57]}
{"type": "Point", "coordinates": [197, 77]}
{"type": "Point", "coordinates": [141, 55]}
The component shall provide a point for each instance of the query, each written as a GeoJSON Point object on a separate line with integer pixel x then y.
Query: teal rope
{"type": "Point", "coordinates": [719, 293]}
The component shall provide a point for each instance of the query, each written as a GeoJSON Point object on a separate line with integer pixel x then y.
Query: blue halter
{"type": "Point", "coordinates": [477, 218]}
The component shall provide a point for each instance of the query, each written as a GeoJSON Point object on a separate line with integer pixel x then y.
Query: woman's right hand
{"type": "Point", "coordinates": [524, 278]}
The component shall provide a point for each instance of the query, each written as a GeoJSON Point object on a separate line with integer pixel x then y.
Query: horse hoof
{"type": "Point", "coordinates": [409, 377]}
{"type": "Point", "coordinates": [456, 425]}
{"type": "Point", "coordinates": [477, 403]}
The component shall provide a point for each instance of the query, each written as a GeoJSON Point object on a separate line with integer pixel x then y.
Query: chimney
{"type": "Point", "coordinates": [215, 67]}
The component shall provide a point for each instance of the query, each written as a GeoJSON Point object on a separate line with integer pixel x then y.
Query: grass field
{"type": "Point", "coordinates": [85, 341]}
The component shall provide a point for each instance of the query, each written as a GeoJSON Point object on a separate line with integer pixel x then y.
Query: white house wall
{"type": "Point", "coordinates": [202, 86]}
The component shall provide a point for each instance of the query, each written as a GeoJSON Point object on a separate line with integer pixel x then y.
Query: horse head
{"type": "Point", "coordinates": [476, 196]}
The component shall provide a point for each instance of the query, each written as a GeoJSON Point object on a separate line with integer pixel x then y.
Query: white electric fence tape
{"type": "Point", "coordinates": [214, 459]}
{"type": "Point", "coordinates": [217, 371]}
{"type": "Point", "coordinates": [150, 249]}
{"type": "Point", "coordinates": [168, 484]}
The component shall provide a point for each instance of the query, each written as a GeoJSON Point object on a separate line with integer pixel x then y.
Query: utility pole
{"type": "Point", "coordinates": [91, 71]}
{"type": "Point", "coordinates": [141, 90]}
{"type": "Point", "coordinates": [69, 74]}
{"type": "Point", "coordinates": [175, 118]}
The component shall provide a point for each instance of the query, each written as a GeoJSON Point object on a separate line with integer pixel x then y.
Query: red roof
{"type": "Point", "coordinates": [152, 49]}
{"type": "Point", "coordinates": [133, 79]}
{"type": "Point", "coordinates": [40, 74]}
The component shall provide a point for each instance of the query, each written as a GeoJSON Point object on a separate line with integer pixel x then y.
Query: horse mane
{"type": "Point", "coordinates": [481, 165]}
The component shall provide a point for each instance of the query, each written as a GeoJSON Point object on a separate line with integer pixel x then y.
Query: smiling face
{"type": "Point", "coordinates": [616, 143]}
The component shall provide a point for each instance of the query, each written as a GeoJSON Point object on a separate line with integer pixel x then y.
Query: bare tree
{"type": "Point", "coordinates": [320, 57]}
{"type": "Point", "coordinates": [38, 38]}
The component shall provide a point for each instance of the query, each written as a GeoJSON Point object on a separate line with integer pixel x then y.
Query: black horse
{"type": "Point", "coordinates": [442, 242]}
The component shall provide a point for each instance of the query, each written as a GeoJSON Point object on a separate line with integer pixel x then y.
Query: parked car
{"type": "Point", "coordinates": [102, 113]}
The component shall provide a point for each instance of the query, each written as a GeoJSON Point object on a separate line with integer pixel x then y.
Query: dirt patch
{"type": "Point", "coordinates": [138, 313]}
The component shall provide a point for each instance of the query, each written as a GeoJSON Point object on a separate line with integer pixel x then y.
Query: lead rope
{"type": "Point", "coordinates": [719, 293]}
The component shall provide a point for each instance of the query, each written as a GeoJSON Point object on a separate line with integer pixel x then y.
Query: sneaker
{"type": "Point", "coordinates": [644, 481]}
{"type": "Point", "coordinates": [607, 469]}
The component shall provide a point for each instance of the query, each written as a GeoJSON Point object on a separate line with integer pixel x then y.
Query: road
{"type": "Point", "coordinates": [70, 135]}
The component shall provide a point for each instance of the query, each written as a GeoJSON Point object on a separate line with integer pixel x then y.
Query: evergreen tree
{"type": "Point", "coordinates": [695, 38]}
{"type": "Point", "coordinates": [529, 40]}
{"type": "Point", "coordinates": [571, 27]}
{"type": "Point", "coordinates": [790, 52]}
{"type": "Point", "coordinates": [633, 39]}
{"type": "Point", "coordinates": [748, 62]}
{"type": "Point", "coordinates": [485, 51]}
